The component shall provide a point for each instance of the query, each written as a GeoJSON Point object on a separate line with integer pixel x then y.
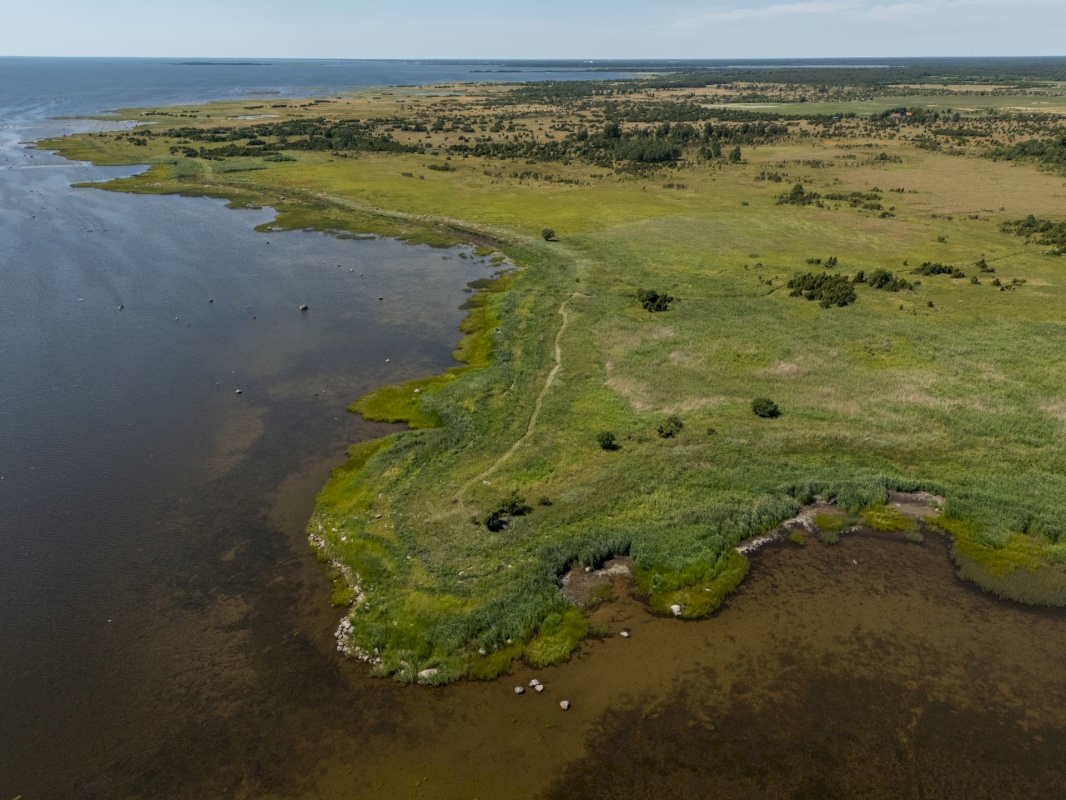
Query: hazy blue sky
{"type": "Point", "coordinates": [542, 29]}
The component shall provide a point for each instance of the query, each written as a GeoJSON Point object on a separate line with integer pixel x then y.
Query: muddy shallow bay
{"type": "Point", "coordinates": [861, 670]}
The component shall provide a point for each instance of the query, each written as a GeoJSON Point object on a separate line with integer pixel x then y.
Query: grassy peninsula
{"type": "Point", "coordinates": [723, 294]}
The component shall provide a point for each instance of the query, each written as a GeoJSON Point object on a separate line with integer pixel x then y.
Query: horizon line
{"type": "Point", "coordinates": [554, 59]}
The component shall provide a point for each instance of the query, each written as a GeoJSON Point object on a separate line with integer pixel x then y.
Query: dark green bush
{"type": "Point", "coordinates": [765, 407]}
{"type": "Point", "coordinates": [670, 427]}
{"type": "Point", "coordinates": [653, 301]}
{"type": "Point", "coordinates": [798, 196]}
{"type": "Point", "coordinates": [828, 290]}
{"type": "Point", "coordinates": [606, 440]}
{"type": "Point", "coordinates": [883, 279]}
{"type": "Point", "coordinates": [934, 268]}
{"type": "Point", "coordinates": [500, 517]}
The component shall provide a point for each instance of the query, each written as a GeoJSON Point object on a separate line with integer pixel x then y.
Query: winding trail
{"type": "Point", "coordinates": [531, 428]}
{"type": "Point", "coordinates": [501, 236]}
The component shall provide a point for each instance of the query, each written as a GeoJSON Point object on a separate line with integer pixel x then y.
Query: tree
{"type": "Point", "coordinates": [606, 440]}
{"type": "Point", "coordinates": [734, 155]}
{"type": "Point", "coordinates": [765, 407]}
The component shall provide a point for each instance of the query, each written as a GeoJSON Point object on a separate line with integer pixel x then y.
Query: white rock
{"type": "Point", "coordinates": [519, 690]}
{"type": "Point", "coordinates": [534, 682]}
{"type": "Point", "coordinates": [564, 705]}
{"type": "Point", "coordinates": [624, 634]}
{"type": "Point", "coordinates": [426, 674]}
{"type": "Point", "coordinates": [539, 687]}
{"type": "Point", "coordinates": [676, 609]}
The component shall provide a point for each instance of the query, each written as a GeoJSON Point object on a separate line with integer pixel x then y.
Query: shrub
{"type": "Point", "coordinates": [1044, 231]}
{"type": "Point", "coordinates": [670, 427]}
{"type": "Point", "coordinates": [765, 407]}
{"type": "Point", "coordinates": [883, 279]}
{"type": "Point", "coordinates": [606, 440]}
{"type": "Point", "coordinates": [548, 234]}
{"type": "Point", "coordinates": [653, 301]}
{"type": "Point", "coordinates": [501, 516]}
{"type": "Point", "coordinates": [829, 290]}
{"type": "Point", "coordinates": [796, 537]}
{"type": "Point", "coordinates": [798, 196]}
{"type": "Point", "coordinates": [935, 268]}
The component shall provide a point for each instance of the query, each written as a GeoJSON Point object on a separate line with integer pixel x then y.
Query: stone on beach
{"type": "Point", "coordinates": [564, 705]}
{"type": "Point", "coordinates": [519, 690]}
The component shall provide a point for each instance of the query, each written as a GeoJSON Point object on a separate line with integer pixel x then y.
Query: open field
{"type": "Point", "coordinates": [454, 535]}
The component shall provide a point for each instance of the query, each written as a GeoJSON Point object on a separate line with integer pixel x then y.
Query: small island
{"type": "Point", "coordinates": [728, 301]}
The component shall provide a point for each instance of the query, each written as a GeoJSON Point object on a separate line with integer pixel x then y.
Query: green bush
{"type": "Point", "coordinates": [883, 279]}
{"type": "Point", "coordinates": [606, 440]}
{"type": "Point", "coordinates": [828, 290]}
{"type": "Point", "coordinates": [501, 516]}
{"type": "Point", "coordinates": [653, 301]}
{"type": "Point", "coordinates": [670, 427]}
{"type": "Point", "coordinates": [765, 407]}
{"type": "Point", "coordinates": [548, 234]}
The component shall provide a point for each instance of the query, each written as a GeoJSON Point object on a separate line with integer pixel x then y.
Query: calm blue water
{"type": "Point", "coordinates": [36, 88]}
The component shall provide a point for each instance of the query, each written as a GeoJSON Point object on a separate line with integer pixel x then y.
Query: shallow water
{"type": "Point", "coordinates": [166, 632]}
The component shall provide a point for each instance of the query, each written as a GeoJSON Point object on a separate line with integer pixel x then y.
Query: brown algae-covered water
{"type": "Point", "coordinates": [860, 670]}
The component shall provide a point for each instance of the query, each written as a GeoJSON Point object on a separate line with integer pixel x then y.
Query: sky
{"type": "Point", "coordinates": [584, 29]}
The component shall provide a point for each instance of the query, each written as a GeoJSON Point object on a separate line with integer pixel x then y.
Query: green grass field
{"type": "Point", "coordinates": [953, 386]}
